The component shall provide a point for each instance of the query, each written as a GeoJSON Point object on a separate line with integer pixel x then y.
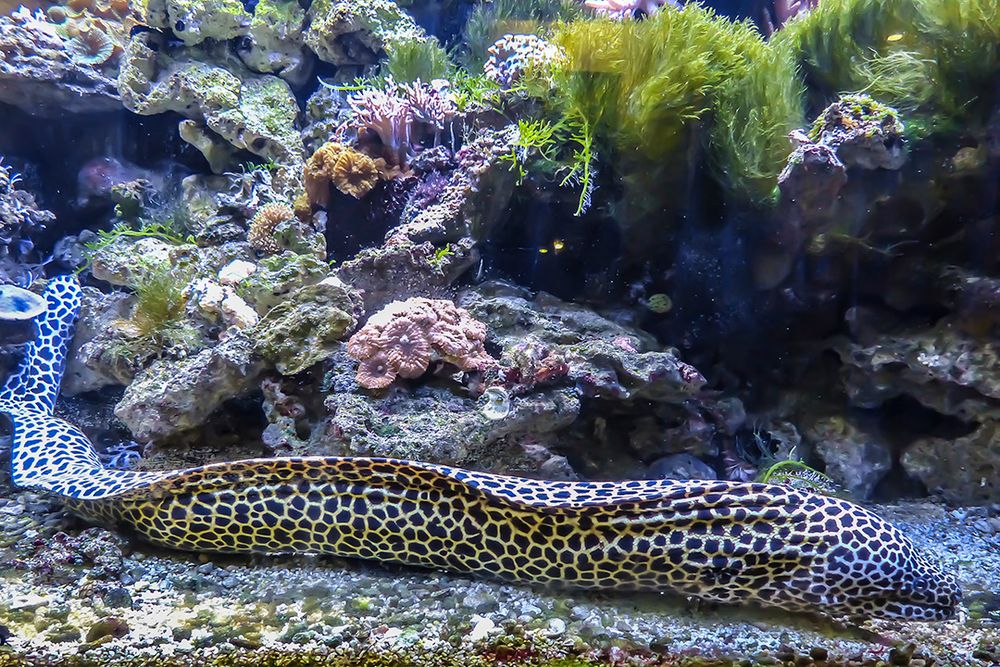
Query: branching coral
{"type": "Point", "coordinates": [20, 218]}
{"type": "Point", "coordinates": [262, 227]}
{"type": "Point", "coordinates": [403, 338]}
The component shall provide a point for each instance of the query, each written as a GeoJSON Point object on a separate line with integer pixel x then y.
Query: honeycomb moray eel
{"type": "Point", "coordinates": [719, 541]}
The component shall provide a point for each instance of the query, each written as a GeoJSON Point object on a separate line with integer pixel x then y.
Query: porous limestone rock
{"type": "Point", "coordinates": [253, 112]}
{"type": "Point", "coordinates": [171, 396]}
{"type": "Point", "coordinates": [348, 32]}
{"type": "Point", "coordinates": [854, 459]}
{"type": "Point", "coordinates": [38, 74]}
{"type": "Point", "coordinates": [605, 360]}
{"type": "Point", "coordinates": [943, 367]}
{"type": "Point", "coordinates": [98, 313]}
{"type": "Point", "coordinates": [402, 270]}
{"type": "Point", "coordinates": [964, 470]}
{"type": "Point", "coordinates": [268, 39]}
{"type": "Point", "coordinates": [305, 328]}
{"type": "Point", "coordinates": [433, 424]}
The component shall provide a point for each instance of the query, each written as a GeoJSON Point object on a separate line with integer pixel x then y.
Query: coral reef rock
{"type": "Point", "coordinates": [434, 424]}
{"type": "Point", "coordinates": [964, 470]}
{"type": "Point", "coordinates": [98, 313]}
{"type": "Point", "coordinates": [474, 197]}
{"type": "Point", "coordinates": [305, 328]}
{"type": "Point", "coordinates": [605, 360]}
{"type": "Point", "coordinates": [39, 74]}
{"type": "Point", "coordinates": [253, 112]}
{"type": "Point", "coordinates": [347, 32]}
{"type": "Point", "coordinates": [268, 39]}
{"type": "Point", "coordinates": [402, 270]}
{"type": "Point", "coordinates": [854, 459]}
{"type": "Point", "coordinates": [171, 396]}
{"type": "Point", "coordinates": [863, 132]}
{"type": "Point", "coordinates": [943, 368]}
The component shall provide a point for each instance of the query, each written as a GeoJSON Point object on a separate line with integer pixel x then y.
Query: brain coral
{"type": "Point", "coordinates": [403, 338]}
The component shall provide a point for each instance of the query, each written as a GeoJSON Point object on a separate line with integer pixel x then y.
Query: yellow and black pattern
{"type": "Point", "coordinates": [721, 541]}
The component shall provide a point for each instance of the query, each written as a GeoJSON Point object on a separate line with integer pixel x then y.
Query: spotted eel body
{"type": "Point", "coordinates": [720, 541]}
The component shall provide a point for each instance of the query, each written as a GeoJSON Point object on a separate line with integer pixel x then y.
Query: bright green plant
{"type": "Point", "coordinates": [159, 301]}
{"type": "Point", "coordinates": [562, 150]}
{"type": "Point", "coordinates": [653, 90]}
{"type": "Point", "coordinates": [934, 60]}
{"type": "Point", "coordinates": [413, 59]}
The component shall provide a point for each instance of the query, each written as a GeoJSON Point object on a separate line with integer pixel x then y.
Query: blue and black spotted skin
{"type": "Point", "coordinates": [727, 542]}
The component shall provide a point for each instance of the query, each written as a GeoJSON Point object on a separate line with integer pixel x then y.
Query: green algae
{"type": "Point", "coordinates": [414, 59]}
{"type": "Point", "coordinates": [681, 80]}
{"type": "Point", "coordinates": [934, 60]}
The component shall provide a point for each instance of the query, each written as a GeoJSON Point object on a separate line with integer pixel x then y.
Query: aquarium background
{"type": "Point", "coordinates": [746, 241]}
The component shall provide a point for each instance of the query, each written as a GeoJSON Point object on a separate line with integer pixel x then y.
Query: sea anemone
{"type": "Point", "coordinates": [91, 47]}
{"type": "Point", "coordinates": [263, 224]}
{"type": "Point", "coordinates": [355, 174]}
{"type": "Point", "coordinates": [376, 372]}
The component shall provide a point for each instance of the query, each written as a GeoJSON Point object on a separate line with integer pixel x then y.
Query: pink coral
{"type": "Point", "coordinates": [624, 9]}
{"type": "Point", "coordinates": [403, 338]}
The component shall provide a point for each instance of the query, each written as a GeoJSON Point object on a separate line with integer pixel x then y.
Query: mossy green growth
{"type": "Point", "coordinates": [651, 91]}
{"type": "Point", "coordinates": [934, 60]}
{"type": "Point", "coordinates": [413, 59]}
{"type": "Point", "coordinates": [158, 320]}
{"type": "Point", "coordinates": [864, 110]}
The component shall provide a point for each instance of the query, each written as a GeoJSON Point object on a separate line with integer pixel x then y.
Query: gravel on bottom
{"type": "Point", "coordinates": [93, 597]}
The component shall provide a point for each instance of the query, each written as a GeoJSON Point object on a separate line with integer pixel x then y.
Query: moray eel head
{"type": "Point", "coordinates": [877, 572]}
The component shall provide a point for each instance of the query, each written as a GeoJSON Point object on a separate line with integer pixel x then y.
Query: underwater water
{"type": "Point", "coordinates": [500, 332]}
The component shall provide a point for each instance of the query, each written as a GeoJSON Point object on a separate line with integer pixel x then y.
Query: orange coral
{"type": "Point", "coordinates": [355, 174]}
{"type": "Point", "coordinates": [403, 338]}
{"type": "Point", "coordinates": [316, 176]}
{"type": "Point", "coordinates": [263, 224]}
